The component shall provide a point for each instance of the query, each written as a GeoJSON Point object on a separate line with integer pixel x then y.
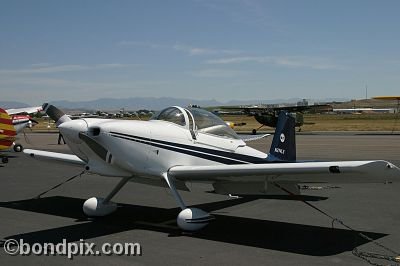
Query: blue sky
{"type": "Point", "coordinates": [222, 49]}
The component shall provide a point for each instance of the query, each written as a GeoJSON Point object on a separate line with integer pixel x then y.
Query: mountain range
{"type": "Point", "coordinates": [12, 104]}
{"type": "Point", "coordinates": [152, 103]}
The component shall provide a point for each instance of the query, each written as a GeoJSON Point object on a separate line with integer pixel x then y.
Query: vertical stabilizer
{"type": "Point", "coordinates": [283, 147]}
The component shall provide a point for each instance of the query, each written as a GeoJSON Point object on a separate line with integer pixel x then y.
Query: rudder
{"type": "Point", "coordinates": [283, 147]}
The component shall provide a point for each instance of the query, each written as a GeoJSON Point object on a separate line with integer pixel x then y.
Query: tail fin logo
{"type": "Point", "coordinates": [283, 147]}
{"type": "Point", "coordinates": [282, 138]}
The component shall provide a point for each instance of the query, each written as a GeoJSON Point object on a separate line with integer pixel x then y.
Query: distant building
{"type": "Point", "coordinates": [304, 102]}
{"type": "Point", "coordinates": [363, 110]}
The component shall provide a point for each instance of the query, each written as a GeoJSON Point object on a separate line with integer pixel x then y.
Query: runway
{"type": "Point", "coordinates": [268, 231]}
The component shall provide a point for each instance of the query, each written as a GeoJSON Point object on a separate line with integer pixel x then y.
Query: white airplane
{"type": "Point", "coordinates": [28, 110]}
{"type": "Point", "coordinates": [193, 145]}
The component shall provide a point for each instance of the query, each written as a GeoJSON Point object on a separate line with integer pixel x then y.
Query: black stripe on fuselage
{"type": "Point", "coordinates": [196, 154]}
{"type": "Point", "coordinates": [210, 154]}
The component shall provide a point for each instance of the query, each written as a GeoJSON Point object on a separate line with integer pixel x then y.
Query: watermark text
{"type": "Point", "coordinates": [70, 249]}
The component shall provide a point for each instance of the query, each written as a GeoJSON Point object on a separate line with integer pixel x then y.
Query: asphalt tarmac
{"type": "Point", "coordinates": [247, 231]}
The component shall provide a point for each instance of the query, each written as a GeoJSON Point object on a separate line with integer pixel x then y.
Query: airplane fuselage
{"type": "Point", "coordinates": [149, 148]}
{"type": "Point", "coordinates": [20, 122]}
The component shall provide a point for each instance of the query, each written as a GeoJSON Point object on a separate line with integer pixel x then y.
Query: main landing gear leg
{"type": "Point", "coordinates": [102, 207]}
{"type": "Point", "coordinates": [254, 131]}
{"type": "Point", "coordinates": [189, 219]}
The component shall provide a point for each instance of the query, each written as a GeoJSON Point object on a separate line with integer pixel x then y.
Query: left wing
{"type": "Point", "coordinates": [303, 172]}
{"type": "Point", "coordinates": [67, 158]}
{"type": "Point", "coordinates": [302, 108]}
{"type": "Point", "coordinates": [28, 110]}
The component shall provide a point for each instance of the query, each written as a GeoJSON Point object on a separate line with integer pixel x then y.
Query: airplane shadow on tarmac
{"type": "Point", "coordinates": [281, 236]}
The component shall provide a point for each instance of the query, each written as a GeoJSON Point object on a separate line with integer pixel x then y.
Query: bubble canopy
{"type": "Point", "coordinates": [198, 120]}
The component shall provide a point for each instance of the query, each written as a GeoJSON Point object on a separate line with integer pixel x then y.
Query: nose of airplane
{"type": "Point", "coordinates": [70, 130]}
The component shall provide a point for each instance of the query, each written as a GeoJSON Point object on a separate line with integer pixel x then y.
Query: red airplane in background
{"type": "Point", "coordinates": [12, 122]}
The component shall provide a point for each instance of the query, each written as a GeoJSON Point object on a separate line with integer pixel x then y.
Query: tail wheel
{"type": "Point", "coordinates": [18, 148]}
{"type": "Point", "coordinates": [4, 160]}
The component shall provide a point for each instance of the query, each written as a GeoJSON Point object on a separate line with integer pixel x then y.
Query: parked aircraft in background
{"type": "Point", "coordinates": [7, 133]}
{"type": "Point", "coordinates": [268, 116]}
{"type": "Point", "coordinates": [182, 145]}
{"type": "Point", "coordinates": [24, 110]}
{"type": "Point", "coordinates": [21, 120]}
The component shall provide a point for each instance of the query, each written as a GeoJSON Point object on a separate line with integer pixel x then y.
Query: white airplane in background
{"type": "Point", "coordinates": [193, 145]}
{"type": "Point", "coordinates": [27, 110]}
{"type": "Point", "coordinates": [21, 120]}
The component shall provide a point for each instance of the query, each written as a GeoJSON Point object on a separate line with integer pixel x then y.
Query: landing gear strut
{"type": "Point", "coordinates": [254, 131]}
{"type": "Point", "coordinates": [189, 219]}
{"type": "Point", "coordinates": [103, 206]}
